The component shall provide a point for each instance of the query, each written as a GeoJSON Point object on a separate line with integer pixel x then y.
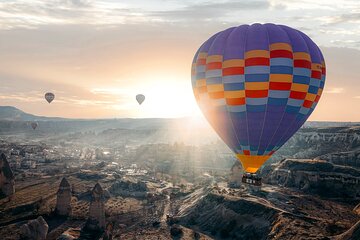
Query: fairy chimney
{"type": "Point", "coordinates": [34, 229]}
{"type": "Point", "coordinates": [63, 201]}
{"type": "Point", "coordinates": [96, 220]}
{"type": "Point", "coordinates": [7, 179]}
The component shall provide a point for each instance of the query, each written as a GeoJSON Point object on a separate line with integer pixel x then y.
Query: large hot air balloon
{"type": "Point", "coordinates": [34, 125]}
{"type": "Point", "coordinates": [256, 85]}
{"type": "Point", "coordinates": [140, 98]}
{"type": "Point", "coordinates": [49, 97]}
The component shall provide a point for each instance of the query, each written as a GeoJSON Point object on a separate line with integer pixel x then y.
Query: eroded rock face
{"type": "Point", "coordinates": [316, 176]}
{"type": "Point", "coordinates": [96, 220]}
{"type": "Point", "coordinates": [338, 145]}
{"type": "Point", "coordinates": [35, 229]}
{"type": "Point", "coordinates": [227, 218]}
{"type": "Point", "coordinates": [63, 201]}
{"type": "Point", "coordinates": [7, 179]}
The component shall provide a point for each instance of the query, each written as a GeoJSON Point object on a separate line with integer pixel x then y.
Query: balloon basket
{"type": "Point", "coordinates": [251, 179]}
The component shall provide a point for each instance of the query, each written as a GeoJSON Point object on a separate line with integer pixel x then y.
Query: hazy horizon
{"type": "Point", "coordinates": [199, 119]}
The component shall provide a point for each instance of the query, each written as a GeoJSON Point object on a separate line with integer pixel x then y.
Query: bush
{"type": "Point", "coordinates": [176, 231]}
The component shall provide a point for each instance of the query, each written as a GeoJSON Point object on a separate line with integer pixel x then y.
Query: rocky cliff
{"type": "Point", "coordinates": [271, 213]}
{"type": "Point", "coordinates": [315, 176]}
{"type": "Point", "coordinates": [339, 145]}
{"type": "Point", "coordinates": [224, 217]}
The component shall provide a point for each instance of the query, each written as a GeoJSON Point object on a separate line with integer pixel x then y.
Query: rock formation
{"type": "Point", "coordinates": [7, 179]}
{"type": "Point", "coordinates": [63, 201]}
{"type": "Point", "coordinates": [316, 176]}
{"type": "Point", "coordinates": [96, 220]}
{"type": "Point", "coordinates": [108, 234]}
{"type": "Point", "coordinates": [352, 234]}
{"type": "Point", "coordinates": [70, 234]}
{"type": "Point", "coordinates": [35, 229]}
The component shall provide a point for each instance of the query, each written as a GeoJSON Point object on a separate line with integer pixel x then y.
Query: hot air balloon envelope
{"type": "Point", "coordinates": [256, 85]}
{"type": "Point", "coordinates": [34, 125]}
{"type": "Point", "coordinates": [140, 98]}
{"type": "Point", "coordinates": [49, 97]}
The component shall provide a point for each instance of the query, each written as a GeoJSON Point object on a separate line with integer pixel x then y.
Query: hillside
{"type": "Point", "coordinates": [9, 113]}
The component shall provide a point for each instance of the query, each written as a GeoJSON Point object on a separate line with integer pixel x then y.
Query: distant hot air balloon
{"type": "Point", "coordinates": [256, 85]}
{"type": "Point", "coordinates": [34, 125]}
{"type": "Point", "coordinates": [49, 97]}
{"type": "Point", "coordinates": [140, 98]}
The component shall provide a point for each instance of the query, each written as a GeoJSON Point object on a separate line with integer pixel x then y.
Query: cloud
{"type": "Point", "coordinates": [315, 5]}
{"type": "Point", "coordinates": [211, 10]}
{"type": "Point", "coordinates": [346, 42]}
{"type": "Point", "coordinates": [26, 97]}
{"type": "Point", "coordinates": [335, 90]}
{"type": "Point", "coordinates": [353, 17]}
{"type": "Point", "coordinates": [25, 14]}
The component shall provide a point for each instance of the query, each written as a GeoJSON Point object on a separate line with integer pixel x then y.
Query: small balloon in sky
{"type": "Point", "coordinates": [140, 98]}
{"type": "Point", "coordinates": [34, 125]}
{"type": "Point", "coordinates": [49, 97]}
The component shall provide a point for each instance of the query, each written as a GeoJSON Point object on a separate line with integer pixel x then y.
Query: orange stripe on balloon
{"type": "Point", "coordinates": [256, 85]}
{"type": "Point", "coordinates": [213, 65]}
{"type": "Point", "coordinates": [302, 56]}
{"type": "Point", "coordinates": [280, 78]}
{"type": "Point", "coordinates": [280, 46]}
{"type": "Point", "coordinates": [310, 96]}
{"type": "Point", "coordinates": [216, 95]}
{"type": "Point", "coordinates": [214, 58]}
{"type": "Point", "coordinates": [235, 101]}
{"type": "Point", "coordinates": [235, 94]}
{"type": "Point", "coordinates": [233, 63]}
{"type": "Point", "coordinates": [257, 53]}
{"type": "Point", "coordinates": [202, 89]}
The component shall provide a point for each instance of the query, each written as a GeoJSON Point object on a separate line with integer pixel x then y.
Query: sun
{"type": "Point", "coordinates": [167, 99]}
{"type": "Point", "coordinates": [164, 98]}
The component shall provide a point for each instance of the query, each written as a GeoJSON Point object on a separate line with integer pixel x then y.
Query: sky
{"type": "Point", "coordinates": [97, 55]}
